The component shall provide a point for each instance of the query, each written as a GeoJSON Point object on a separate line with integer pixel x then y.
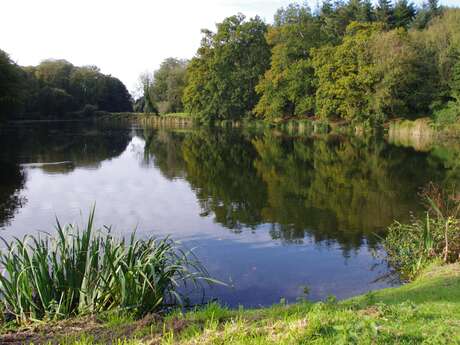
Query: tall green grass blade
{"type": "Point", "coordinates": [86, 271]}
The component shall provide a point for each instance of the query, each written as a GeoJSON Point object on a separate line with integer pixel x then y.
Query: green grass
{"type": "Point", "coordinates": [425, 311]}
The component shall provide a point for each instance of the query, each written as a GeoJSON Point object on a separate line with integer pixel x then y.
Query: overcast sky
{"type": "Point", "coordinates": [123, 38]}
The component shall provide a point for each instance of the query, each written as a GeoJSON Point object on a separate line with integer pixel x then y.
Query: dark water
{"type": "Point", "coordinates": [268, 212]}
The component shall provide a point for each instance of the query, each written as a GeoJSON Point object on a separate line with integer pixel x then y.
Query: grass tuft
{"type": "Point", "coordinates": [82, 271]}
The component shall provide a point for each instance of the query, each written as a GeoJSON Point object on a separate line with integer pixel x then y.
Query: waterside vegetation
{"type": "Point", "coordinates": [434, 238]}
{"type": "Point", "coordinates": [87, 271]}
{"type": "Point", "coordinates": [423, 311]}
{"type": "Point", "coordinates": [347, 61]}
{"type": "Point", "coordinates": [124, 292]}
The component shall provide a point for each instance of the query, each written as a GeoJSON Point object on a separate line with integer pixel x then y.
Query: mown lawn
{"type": "Point", "coordinates": [426, 311]}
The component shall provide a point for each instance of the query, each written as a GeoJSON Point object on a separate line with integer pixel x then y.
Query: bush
{"type": "Point", "coordinates": [448, 115]}
{"type": "Point", "coordinates": [411, 247]}
{"type": "Point", "coordinates": [87, 271]}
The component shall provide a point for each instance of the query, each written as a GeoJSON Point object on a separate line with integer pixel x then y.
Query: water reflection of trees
{"type": "Point", "coordinates": [80, 144]}
{"type": "Point", "coordinates": [12, 180]}
{"type": "Point", "coordinates": [332, 189]}
{"type": "Point", "coordinates": [163, 148]}
{"type": "Point", "coordinates": [220, 168]}
{"type": "Point", "coordinates": [335, 189]}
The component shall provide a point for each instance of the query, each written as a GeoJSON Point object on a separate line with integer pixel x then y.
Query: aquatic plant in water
{"type": "Point", "coordinates": [411, 247]}
{"type": "Point", "coordinates": [79, 271]}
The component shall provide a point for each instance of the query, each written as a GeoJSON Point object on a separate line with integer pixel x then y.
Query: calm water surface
{"type": "Point", "coordinates": [269, 213]}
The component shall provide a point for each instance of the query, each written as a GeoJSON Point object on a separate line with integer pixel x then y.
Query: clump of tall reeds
{"type": "Point", "coordinates": [436, 236]}
{"type": "Point", "coordinates": [78, 271]}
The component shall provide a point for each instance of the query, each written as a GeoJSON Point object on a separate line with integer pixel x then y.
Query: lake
{"type": "Point", "coordinates": [271, 214]}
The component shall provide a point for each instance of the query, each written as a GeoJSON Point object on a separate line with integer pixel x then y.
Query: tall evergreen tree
{"type": "Point", "coordinates": [455, 82]}
{"type": "Point", "coordinates": [360, 10]}
{"type": "Point", "coordinates": [430, 9]}
{"type": "Point", "coordinates": [433, 5]}
{"type": "Point", "coordinates": [384, 12]}
{"type": "Point", "coordinates": [404, 13]}
{"type": "Point", "coordinates": [327, 8]}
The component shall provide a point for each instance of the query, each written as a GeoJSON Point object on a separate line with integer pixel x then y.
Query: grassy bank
{"type": "Point", "coordinates": [295, 126]}
{"type": "Point", "coordinates": [419, 133]}
{"type": "Point", "coordinates": [110, 290]}
{"type": "Point", "coordinates": [425, 311]}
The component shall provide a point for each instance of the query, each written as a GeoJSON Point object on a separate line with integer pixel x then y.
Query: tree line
{"type": "Point", "coordinates": [347, 60]}
{"type": "Point", "coordinates": [56, 88]}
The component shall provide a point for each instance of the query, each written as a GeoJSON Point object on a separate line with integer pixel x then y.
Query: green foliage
{"type": "Point", "coordinates": [406, 76]}
{"type": "Point", "coordinates": [336, 64]}
{"type": "Point", "coordinates": [162, 91]}
{"type": "Point", "coordinates": [54, 73]}
{"type": "Point", "coordinates": [403, 14]}
{"type": "Point", "coordinates": [146, 103]}
{"type": "Point", "coordinates": [168, 86]}
{"type": "Point", "coordinates": [353, 60]}
{"type": "Point", "coordinates": [336, 16]}
{"type": "Point", "coordinates": [411, 247]}
{"type": "Point", "coordinates": [55, 101]}
{"type": "Point", "coordinates": [455, 81]}
{"type": "Point", "coordinates": [11, 86]}
{"type": "Point", "coordinates": [384, 11]}
{"type": "Point", "coordinates": [360, 10]}
{"type": "Point", "coordinates": [346, 75]}
{"type": "Point", "coordinates": [221, 79]}
{"type": "Point", "coordinates": [288, 87]}
{"type": "Point", "coordinates": [442, 41]}
{"type": "Point", "coordinates": [87, 271]}
{"type": "Point", "coordinates": [421, 312]}
{"type": "Point", "coordinates": [448, 115]}
{"type": "Point", "coordinates": [56, 87]}
{"type": "Point", "coordinates": [429, 11]}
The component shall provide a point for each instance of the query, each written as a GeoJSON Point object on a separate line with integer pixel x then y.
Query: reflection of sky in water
{"type": "Point", "coordinates": [130, 193]}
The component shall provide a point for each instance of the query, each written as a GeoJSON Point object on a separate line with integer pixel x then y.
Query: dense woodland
{"type": "Point", "coordinates": [346, 60]}
{"type": "Point", "coordinates": [56, 88]}
{"type": "Point", "coordinates": [350, 60]}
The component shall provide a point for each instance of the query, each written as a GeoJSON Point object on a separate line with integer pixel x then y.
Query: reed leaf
{"type": "Point", "coordinates": [79, 271]}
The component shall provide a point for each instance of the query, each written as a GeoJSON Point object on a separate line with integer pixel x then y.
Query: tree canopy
{"type": "Point", "coordinates": [353, 60]}
{"type": "Point", "coordinates": [57, 87]}
{"type": "Point", "coordinates": [349, 60]}
{"type": "Point", "coordinates": [222, 77]}
{"type": "Point", "coordinates": [11, 83]}
{"type": "Point", "coordinates": [162, 91]}
{"type": "Point", "coordinates": [287, 88]}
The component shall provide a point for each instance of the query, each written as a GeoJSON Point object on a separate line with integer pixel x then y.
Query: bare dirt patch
{"type": "Point", "coordinates": [97, 330]}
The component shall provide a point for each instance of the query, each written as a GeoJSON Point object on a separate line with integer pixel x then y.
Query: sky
{"type": "Point", "coordinates": [122, 38]}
